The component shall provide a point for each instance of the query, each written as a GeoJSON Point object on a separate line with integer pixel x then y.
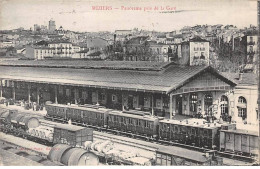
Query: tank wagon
{"type": "Point", "coordinates": [42, 131]}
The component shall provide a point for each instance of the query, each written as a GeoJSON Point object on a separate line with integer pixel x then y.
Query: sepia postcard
{"type": "Point", "coordinates": [129, 82]}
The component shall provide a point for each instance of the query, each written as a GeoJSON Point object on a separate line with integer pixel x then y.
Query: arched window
{"type": "Point", "coordinates": [224, 105]}
{"type": "Point", "coordinates": [208, 101]}
{"type": "Point", "coordinates": [242, 107]}
{"type": "Point", "coordinates": [193, 102]}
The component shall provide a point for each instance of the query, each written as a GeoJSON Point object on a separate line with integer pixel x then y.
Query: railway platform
{"type": "Point", "coordinates": [11, 159]}
{"type": "Point", "coordinates": [25, 144]}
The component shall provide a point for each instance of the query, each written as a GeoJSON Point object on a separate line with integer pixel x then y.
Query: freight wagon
{"type": "Point", "coordinates": [239, 142]}
{"type": "Point", "coordinates": [175, 156]}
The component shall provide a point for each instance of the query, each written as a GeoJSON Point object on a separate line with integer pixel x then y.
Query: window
{"type": "Point", "coordinates": [224, 105]}
{"type": "Point", "coordinates": [251, 39]}
{"type": "Point", "coordinates": [242, 107]}
{"type": "Point", "coordinates": [193, 102]}
{"type": "Point", "coordinates": [158, 103]}
{"type": "Point", "coordinates": [251, 48]}
{"type": "Point", "coordinates": [113, 98]}
{"type": "Point", "coordinates": [81, 115]}
{"type": "Point", "coordinates": [202, 55]}
{"type": "Point", "coordinates": [146, 124]}
{"type": "Point", "coordinates": [208, 101]}
{"type": "Point", "coordinates": [103, 96]}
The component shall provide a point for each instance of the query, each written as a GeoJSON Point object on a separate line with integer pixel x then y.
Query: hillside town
{"type": "Point", "coordinates": [224, 47]}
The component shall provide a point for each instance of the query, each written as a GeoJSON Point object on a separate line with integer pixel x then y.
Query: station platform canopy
{"type": "Point", "coordinates": [158, 77]}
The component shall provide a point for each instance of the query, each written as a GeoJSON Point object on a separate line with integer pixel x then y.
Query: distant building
{"type": "Point", "coordinates": [123, 32]}
{"type": "Point", "coordinates": [250, 43]}
{"type": "Point", "coordinates": [52, 26]}
{"type": "Point", "coordinates": [36, 28]}
{"type": "Point", "coordinates": [194, 52]}
{"type": "Point", "coordinates": [6, 44]}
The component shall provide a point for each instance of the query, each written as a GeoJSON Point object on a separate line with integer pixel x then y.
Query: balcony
{"type": "Point", "coordinates": [251, 43]}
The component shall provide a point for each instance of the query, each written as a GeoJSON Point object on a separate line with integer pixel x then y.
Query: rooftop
{"type": "Point", "coordinates": [136, 76]}
{"type": "Point", "coordinates": [247, 78]}
{"type": "Point", "coordinates": [81, 64]}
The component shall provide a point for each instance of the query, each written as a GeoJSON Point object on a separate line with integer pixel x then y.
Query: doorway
{"type": "Point", "coordinates": [130, 101]}
{"type": "Point", "coordinates": [179, 104]}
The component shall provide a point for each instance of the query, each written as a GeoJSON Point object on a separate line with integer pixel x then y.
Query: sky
{"type": "Point", "coordinates": [78, 15]}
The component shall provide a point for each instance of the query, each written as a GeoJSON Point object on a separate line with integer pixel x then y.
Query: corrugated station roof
{"type": "Point", "coordinates": [81, 64]}
{"type": "Point", "coordinates": [167, 79]}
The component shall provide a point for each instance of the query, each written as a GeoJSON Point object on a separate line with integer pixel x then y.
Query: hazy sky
{"type": "Point", "coordinates": [78, 15]}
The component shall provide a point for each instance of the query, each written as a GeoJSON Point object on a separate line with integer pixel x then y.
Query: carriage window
{"type": "Point", "coordinates": [103, 96]}
{"type": "Point", "coordinates": [113, 98]}
{"type": "Point", "coordinates": [81, 115]}
{"type": "Point", "coordinates": [146, 124]}
{"type": "Point", "coordinates": [175, 128]}
{"type": "Point", "coordinates": [242, 107]}
{"type": "Point", "coordinates": [139, 122]}
{"type": "Point", "coordinates": [205, 132]}
{"type": "Point", "coordinates": [229, 137]}
{"type": "Point", "coordinates": [193, 101]}
{"type": "Point", "coordinates": [151, 125]}
{"type": "Point", "coordinates": [224, 105]}
{"type": "Point", "coordinates": [122, 119]}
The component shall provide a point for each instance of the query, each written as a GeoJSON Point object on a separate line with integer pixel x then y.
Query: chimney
{"type": "Point", "coordinates": [240, 76]}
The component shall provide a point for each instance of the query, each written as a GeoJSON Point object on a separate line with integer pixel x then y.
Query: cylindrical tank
{"type": "Point", "coordinates": [79, 156]}
{"type": "Point", "coordinates": [57, 152]}
{"type": "Point", "coordinates": [30, 122]}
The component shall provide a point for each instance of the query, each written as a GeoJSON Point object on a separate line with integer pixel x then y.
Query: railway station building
{"type": "Point", "coordinates": [161, 88]}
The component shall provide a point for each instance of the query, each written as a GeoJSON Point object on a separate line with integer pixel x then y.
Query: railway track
{"type": "Point", "coordinates": [229, 155]}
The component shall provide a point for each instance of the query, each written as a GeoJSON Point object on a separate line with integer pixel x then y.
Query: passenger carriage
{"type": "Point", "coordinates": [133, 124]}
{"type": "Point", "coordinates": [56, 112]}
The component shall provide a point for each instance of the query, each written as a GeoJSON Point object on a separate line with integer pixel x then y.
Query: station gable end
{"type": "Point", "coordinates": [206, 80]}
